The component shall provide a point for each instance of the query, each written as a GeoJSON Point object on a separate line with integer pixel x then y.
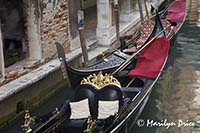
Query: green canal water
{"type": "Point", "coordinates": [175, 98]}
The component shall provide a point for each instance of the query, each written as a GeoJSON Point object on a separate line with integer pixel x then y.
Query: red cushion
{"type": "Point", "coordinates": [151, 59]}
{"type": "Point", "coordinates": [176, 12]}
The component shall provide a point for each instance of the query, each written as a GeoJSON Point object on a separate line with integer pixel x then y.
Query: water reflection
{"type": "Point", "coordinates": [176, 97]}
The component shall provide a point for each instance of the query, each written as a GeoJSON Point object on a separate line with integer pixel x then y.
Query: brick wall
{"type": "Point", "coordinates": [54, 27]}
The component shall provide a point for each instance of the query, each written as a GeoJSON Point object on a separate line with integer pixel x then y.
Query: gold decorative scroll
{"type": "Point", "coordinates": [99, 80]}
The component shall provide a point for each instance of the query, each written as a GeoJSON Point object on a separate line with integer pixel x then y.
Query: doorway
{"type": "Point", "coordinates": [13, 30]}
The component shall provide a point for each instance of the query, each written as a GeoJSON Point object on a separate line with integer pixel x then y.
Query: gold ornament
{"type": "Point", "coordinates": [99, 81]}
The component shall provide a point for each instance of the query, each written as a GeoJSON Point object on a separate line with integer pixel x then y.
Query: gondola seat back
{"type": "Point", "coordinates": [108, 93]}
{"type": "Point", "coordinates": [88, 91]}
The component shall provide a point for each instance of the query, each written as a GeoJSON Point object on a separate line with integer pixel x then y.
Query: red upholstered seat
{"type": "Point", "coordinates": [176, 12]}
{"type": "Point", "coordinates": [146, 29]}
{"type": "Point", "coordinates": [151, 59]}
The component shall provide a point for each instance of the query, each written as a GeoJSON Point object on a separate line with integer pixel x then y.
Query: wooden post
{"type": "Point", "coordinates": [116, 10]}
{"type": "Point", "coordinates": [140, 10]}
{"type": "Point", "coordinates": [82, 36]}
{"type": "Point", "coordinates": [2, 56]}
{"type": "Point", "coordinates": [145, 5]}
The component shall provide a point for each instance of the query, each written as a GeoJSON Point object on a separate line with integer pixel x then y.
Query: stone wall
{"type": "Point", "coordinates": [54, 27]}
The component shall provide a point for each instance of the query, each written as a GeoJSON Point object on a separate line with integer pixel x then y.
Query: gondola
{"type": "Point", "coordinates": [109, 103]}
{"type": "Point", "coordinates": [108, 62]}
{"type": "Point", "coordinates": [107, 65]}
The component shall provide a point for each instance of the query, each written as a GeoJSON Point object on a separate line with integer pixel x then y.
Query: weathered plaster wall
{"type": "Point", "coordinates": [33, 28]}
{"type": "Point", "coordinates": [74, 6]}
{"type": "Point", "coordinates": [54, 26]}
{"type": "Point", "coordinates": [46, 21]}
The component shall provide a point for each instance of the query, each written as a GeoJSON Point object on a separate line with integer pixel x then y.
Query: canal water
{"type": "Point", "coordinates": [175, 99]}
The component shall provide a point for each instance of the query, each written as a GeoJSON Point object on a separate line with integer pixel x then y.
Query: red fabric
{"type": "Point", "coordinates": [151, 59]}
{"type": "Point", "coordinates": [128, 37]}
{"type": "Point", "coordinates": [176, 12]}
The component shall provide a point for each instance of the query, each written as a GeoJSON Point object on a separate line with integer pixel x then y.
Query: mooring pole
{"type": "Point", "coordinates": [140, 10]}
{"type": "Point", "coordinates": [116, 10]}
{"type": "Point", "coordinates": [2, 56]}
{"type": "Point", "coordinates": [82, 36]}
{"type": "Point", "coordinates": [145, 5]}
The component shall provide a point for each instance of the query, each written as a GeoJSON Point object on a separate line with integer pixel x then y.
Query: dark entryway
{"type": "Point", "coordinates": [12, 27]}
